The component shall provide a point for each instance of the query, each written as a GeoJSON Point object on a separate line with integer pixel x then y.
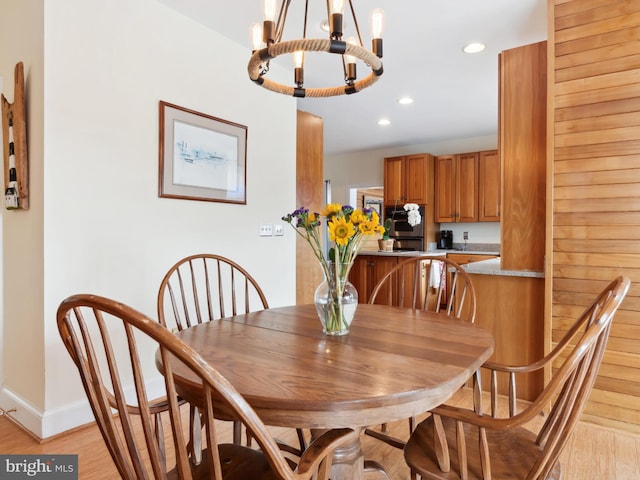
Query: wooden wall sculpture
{"type": "Point", "coordinates": [14, 134]}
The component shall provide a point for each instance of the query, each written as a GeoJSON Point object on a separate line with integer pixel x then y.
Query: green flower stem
{"type": "Point", "coordinates": [335, 320]}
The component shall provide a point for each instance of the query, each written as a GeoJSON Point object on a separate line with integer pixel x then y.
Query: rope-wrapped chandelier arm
{"type": "Point", "coordinates": [314, 45]}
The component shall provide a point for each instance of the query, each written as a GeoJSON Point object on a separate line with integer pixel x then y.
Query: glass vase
{"type": "Point", "coordinates": [336, 300]}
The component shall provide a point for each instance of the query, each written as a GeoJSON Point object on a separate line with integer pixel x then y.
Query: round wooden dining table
{"type": "Point", "coordinates": [393, 364]}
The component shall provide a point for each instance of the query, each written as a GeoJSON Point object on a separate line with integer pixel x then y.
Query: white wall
{"type": "Point", "coordinates": [107, 65]}
{"type": "Point", "coordinates": [366, 169]}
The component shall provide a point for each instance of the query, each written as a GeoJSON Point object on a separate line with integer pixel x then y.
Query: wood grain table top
{"type": "Point", "coordinates": [394, 363]}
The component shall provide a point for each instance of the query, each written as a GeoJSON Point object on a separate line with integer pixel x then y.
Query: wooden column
{"type": "Point", "coordinates": [309, 194]}
{"type": "Point", "coordinates": [522, 138]}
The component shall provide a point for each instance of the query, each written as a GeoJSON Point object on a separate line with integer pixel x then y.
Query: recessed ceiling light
{"type": "Point", "coordinates": [384, 121]}
{"type": "Point", "coordinates": [405, 100]}
{"type": "Point", "coordinates": [474, 47]}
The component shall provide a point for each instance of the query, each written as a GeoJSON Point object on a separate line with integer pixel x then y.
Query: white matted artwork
{"type": "Point", "coordinates": [374, 203]}
{"type": "Point", "coordinates": [201, 157]}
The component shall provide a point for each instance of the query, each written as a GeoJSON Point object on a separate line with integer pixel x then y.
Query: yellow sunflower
{"type": "Point", "coordinates": [358, 217]}
{"type": "Point", "coordinates": [340, 231]}
{"type": "Point", "coordinates": [368, 227]}
{"type": "Point", "coordinates": [331, 209]}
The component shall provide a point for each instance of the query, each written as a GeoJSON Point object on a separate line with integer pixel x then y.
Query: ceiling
{"type": "Point", "coordinates": [455, 94]}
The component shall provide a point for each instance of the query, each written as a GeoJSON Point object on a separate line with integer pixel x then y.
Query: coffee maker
{"type": "Point", "coordinates": [446, 240]}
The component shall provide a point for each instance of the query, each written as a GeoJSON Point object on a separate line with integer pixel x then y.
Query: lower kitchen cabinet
{"type": "Point", "coordinates": [463, 259]}
{"type": "Point", "coordinates": [512, 309]}
{"type": "Point", "coordinates": [367, 270]}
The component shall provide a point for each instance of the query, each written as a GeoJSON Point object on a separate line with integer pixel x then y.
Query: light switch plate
{"type": "Point", "coordinates": [278, 229]}
{"type": "Point", "coordinates": [266, 230]}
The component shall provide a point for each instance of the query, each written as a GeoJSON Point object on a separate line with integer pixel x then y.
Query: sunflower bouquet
{"type": "Point", "coordinates": [348, 229]}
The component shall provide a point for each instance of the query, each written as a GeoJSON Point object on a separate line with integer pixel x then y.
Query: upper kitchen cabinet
{"type": "Point", "coordinates": [468, 187]}
{"type": "Point", "coordinates": [445, 190]}
{"type": "Point", "coordinates": [489, 186]}
{"type": "Point", "coordinates": [406, 179]}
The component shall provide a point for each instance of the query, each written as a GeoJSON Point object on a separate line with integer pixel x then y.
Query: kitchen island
{"type": "Point", "coordinates": [493, 267]}
{"type": "Point", "coordinates": [510, 304]}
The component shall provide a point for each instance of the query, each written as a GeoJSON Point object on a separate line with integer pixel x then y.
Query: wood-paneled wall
{"type": "Point", "coordinates": [596, 185]}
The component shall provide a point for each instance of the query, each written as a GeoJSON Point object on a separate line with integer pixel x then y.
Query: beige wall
{"type": "Point", "coordinates": [23, 347]}
{"type": "Point", "coordinates": [96, 223]}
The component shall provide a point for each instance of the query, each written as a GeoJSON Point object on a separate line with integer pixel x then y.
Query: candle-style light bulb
{"type": "Point", "coordinates": [377, 27]}
{"type": "Point", "coordinates": [256, 36]}
{"type": "Point", "coordinates": [298, 71]}
{"type": "Point", "coordinates": [377, 23]}
{"type": "Point", "coordinates": [269, 10]}
{"type": "Point", "coordinates": [350, 60]}
{"type": "Point", "coordinates": [336, 6]}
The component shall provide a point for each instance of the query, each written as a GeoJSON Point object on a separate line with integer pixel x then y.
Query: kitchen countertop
{"type": "Point", "coordinates": [439, 253]}
{"type": "Point", "coordinates": [492, 267]}
{"type": "Point", "coordinates": [483, 267]}
{"type": "Point", "coordinates": [400, 253]}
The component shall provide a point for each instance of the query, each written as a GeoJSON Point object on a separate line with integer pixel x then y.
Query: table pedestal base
{"type": "Point", "coordinates": [349, 462]}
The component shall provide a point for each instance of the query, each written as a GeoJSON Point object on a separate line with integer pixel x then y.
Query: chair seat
{"type": "Point", "coordinates": [513, 452]}
{"type": "Point", "coordinates": [238, 463]}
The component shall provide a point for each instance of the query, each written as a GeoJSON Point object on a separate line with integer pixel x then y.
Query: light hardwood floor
{"type": "Point", "coordinates": [593, 453]}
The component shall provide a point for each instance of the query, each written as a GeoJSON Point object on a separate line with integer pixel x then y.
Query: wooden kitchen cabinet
{"type": "Point", "coordinates": [367, 270]}
{"type": "Point", "coordinates": [463, 259]}
{"type": "Point", "coordinates": [406, 179]}
{"type": "Point", "coordinates": [456, 190]}
{"type": "Point", "coordinates": [512, 309]}
{"type": "Point", "coordinates": [489, 186]}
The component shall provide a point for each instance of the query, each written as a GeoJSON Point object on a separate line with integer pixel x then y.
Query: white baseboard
{"type": "Point", "coordinates": [44, 424]}
{"type": "Point", "coordinates": [58, 420]}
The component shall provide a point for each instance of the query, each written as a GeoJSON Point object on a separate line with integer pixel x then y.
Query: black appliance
{"type": "Point", "coordinates": [406, 236]}
{"type": "Point", "coordinates": [446, 240]}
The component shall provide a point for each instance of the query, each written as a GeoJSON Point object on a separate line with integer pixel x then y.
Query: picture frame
{"type": "Point", "coordinates": [201, 157]}
{"type": "Point", "coordinates": [373, 203]}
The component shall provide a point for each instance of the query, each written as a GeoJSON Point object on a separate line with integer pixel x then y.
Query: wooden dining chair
{"type": "Point", "coordinates": [205, 287]}
{"type": "Point", "coordinates": [467, 444]}
{"type": "Point", "coordinates": [425, 282]}
{"type": "Point", "coordinates": [113, 347]}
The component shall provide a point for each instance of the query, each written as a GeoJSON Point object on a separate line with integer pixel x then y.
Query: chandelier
{"type": "Point", "coordinates": [269, 44]}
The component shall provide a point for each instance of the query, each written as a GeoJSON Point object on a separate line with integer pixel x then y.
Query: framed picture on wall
{"type": "Point", "coordinates": [373, 203]}
{"type": "Point", "coordinates": [201, 157]}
